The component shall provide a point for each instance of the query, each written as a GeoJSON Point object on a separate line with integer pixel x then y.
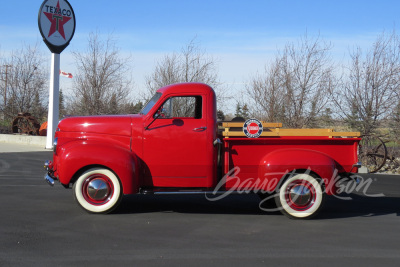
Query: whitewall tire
{"type": "Point", "coordinates": [98, 190]}
{"type": "Point", "coordinates": [301, 196]}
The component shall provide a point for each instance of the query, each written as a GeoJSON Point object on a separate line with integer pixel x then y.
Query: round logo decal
{"type": "Point", "coordinates": [253, 128]}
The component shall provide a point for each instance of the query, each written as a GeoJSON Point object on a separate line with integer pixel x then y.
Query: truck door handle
{"type": "Point", "coordinates": [199, 129]}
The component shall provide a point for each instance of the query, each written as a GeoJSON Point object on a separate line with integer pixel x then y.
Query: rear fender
{"type": "Point", "coordinates": [75, 156]}
{"type": "Point", "coordinates": [278, 164]}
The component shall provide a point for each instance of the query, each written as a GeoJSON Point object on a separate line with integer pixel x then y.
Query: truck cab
{"type": "Point", "coordinates": [179, 128]}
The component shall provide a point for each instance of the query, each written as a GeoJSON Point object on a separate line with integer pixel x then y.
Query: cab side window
{"type": "Point", "coordinates": [182, 107]}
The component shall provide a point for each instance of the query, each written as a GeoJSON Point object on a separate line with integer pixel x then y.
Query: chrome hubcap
{"type": "Point", "coordinates": [300, 195]}
{"type": "Point", "coordinates": [98, 189]}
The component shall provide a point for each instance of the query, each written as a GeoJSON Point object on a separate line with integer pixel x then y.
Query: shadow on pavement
{"type": "Point", "coordinates": [232, 204]}
{"type": "Point", "coordinates": [334, 207]}
{"type": "Point", "coordinates": [358, 206]}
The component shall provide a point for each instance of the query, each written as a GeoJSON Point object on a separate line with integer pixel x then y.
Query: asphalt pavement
{"type": "Point", "coordinates": [15, 147]}
{"type": "Point", "coordinates": [43, 226]}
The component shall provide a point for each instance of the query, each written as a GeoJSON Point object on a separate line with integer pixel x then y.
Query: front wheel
{"type": "Point", "coordinates": [98, 190]}
{"type": "Point", "coordinates": [301, 196]}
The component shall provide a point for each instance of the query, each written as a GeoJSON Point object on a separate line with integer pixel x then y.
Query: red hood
{"type": "Point", "coordinates": [109, 124]}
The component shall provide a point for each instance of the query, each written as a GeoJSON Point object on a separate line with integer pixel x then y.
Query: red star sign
{"type": "Point", "coordinates": [57, 21]}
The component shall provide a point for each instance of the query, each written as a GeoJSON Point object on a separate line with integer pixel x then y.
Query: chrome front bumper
{"type": "Point", "coordinates": [49, 180]}
{"type": "Point", "coordinates": [49, 176]}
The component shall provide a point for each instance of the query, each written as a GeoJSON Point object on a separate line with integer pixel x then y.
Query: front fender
{"type": "Point", "coordinates": [74, 156]}
{"type": "Point", "coordinates": [275, 165]}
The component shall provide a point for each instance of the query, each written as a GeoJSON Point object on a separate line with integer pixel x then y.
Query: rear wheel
{"type": "Point", "coordinates": [98, 190]}
{"type": "Point", "coordinates": [301, 196]}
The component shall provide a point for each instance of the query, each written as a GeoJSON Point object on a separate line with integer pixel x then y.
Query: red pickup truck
{"type": "Point", "coordinates": [175, 145]}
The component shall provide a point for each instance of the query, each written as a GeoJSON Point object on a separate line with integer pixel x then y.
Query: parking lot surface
{"type": "Point", "coordinates": [43, 226]}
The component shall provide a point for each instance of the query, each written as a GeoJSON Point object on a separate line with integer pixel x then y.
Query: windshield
{"type": "Point", "coordinates": [150, 104]}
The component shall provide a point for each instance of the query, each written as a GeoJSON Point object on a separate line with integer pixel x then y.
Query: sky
{"type": "Point", "coordinates": [243, 36]}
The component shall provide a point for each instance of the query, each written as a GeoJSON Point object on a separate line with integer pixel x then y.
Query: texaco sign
{"type": "Point", "coordinates": [56, 24]}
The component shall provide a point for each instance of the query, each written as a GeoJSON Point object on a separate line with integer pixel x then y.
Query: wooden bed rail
{"type": "Point", "coordinates": [235, 129]}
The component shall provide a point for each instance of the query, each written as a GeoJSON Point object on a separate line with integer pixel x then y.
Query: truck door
{"type": "Point", "coordinates": [175, 147]}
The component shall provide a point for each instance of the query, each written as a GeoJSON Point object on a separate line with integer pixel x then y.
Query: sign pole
{"type": "Point", "coordinates": [54, 92]}
{"type": "Point", "coordinates": [56, 21]}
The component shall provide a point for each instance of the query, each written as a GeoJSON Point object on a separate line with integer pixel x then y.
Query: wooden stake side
{"type": "Point", "coordinates": [274, 129]}
{"type": "Point", "coordinates": [240, 124]}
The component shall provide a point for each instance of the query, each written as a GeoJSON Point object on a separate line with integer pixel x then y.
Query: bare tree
{"type": "Point", "coordinates": [102, 83]}
{"type": "Point", "coordinates": [371, 84]}
{"type": "Point", "coordinates": [24, 83]}
{"type": "Point", "coordinates": [265, 93]}
{"type": "Point", "coordinates": [294, 88]}
{"type": "Point", "coordinates": [192, 64]}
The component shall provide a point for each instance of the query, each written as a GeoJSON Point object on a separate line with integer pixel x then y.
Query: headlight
{"type": "Point", "coordinates": [55, 144]}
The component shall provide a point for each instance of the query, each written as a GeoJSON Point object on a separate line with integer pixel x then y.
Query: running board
{"type": "Point", "coordinates": [182, 191]}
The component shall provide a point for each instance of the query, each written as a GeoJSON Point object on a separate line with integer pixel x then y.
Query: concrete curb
{"type": "Point", "coordinates": [23, 139]}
